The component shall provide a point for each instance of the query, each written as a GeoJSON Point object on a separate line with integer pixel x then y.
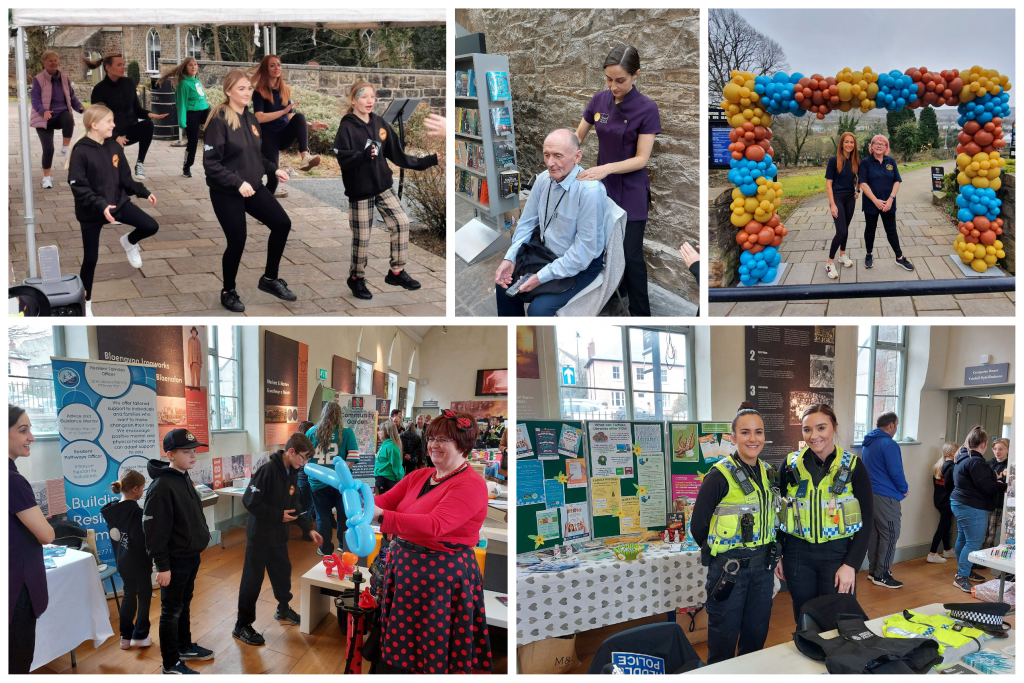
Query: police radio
{"type": "Point", "coordinates": [743, 480]}
{"type": "Point", "coordinates": [841, 480]}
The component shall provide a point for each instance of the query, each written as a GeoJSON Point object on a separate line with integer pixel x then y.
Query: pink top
{"type": "Point", "coordinates": [452, 512]}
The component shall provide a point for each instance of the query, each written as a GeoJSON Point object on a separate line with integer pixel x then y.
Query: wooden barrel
{"type": "Point", "coordinates": [163, 103]}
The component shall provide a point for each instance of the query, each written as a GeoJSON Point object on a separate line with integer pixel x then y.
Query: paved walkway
{"type": "Point", "coordinates": [926, 238]}
{"type": "Point", "coordinates": [181, 271]}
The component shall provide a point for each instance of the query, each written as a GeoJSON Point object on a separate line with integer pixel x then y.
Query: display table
{"type": "Point", "coordinates": [77, 609]}
{"type": "Point", "coordinates": [1003, 566]}
{"type": "Point", "coordinates": [602, 592]}
{"type": "Point", "coordinates": [231, 493]}
{"type": "Point", "coordinates": [313, 604]}
{"type": "Point", "coordinates": [786, 658]}
{"type": "Point", "coordinates": [497, 613]}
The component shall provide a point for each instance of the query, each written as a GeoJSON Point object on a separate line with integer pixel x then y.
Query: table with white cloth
{"type": "Point", "coordinates": [77, 609]}
{"type": "Point", "coordinates": [1001, 564]}
{"type": "Point", "coordinates": [602, 592]}
{"type": "Point", "coordinates": [786, 658]}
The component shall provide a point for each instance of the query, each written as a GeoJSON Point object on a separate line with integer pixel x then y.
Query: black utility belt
{"type": "Point", "coordinates": [744, 560]}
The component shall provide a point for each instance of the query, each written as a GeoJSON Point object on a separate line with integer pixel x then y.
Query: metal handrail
{"type": "Point", "coordinates": [860, 290]}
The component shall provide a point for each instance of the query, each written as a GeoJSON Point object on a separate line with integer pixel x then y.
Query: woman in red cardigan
{"type": "Point", "coordinates": [432, 608]}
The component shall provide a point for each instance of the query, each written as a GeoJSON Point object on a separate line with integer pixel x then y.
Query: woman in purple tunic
{"type": "Point", "coordinates": [27, 531]}
{"type": "Point", "coordinates": [626, 124]}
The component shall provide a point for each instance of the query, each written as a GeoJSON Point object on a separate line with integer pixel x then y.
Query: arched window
{"type": "Point", "coordinates": [152, 51]}
{"type": "Point", "coordinates": [193, 46]}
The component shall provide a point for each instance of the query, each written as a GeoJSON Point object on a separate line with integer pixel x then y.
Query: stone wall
{"type": "Point", "coordinates": [556, 60]}
{"type": "Point", "coordinates": [723, 251]}
{"type": "Point", "coordinates": [1008, 193]}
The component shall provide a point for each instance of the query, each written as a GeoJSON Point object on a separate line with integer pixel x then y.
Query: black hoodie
{"type": "Point", "coordinates": [121, 98]}
{"type": "Point", "coordinates": [232, 157]}
{"type": "Point", "coordinates": [173, 517]}
{"type": "Point", "coordinates": [100, 177]}
{"type": "Point", "coordinates": [975, 484]}
{"type": "Point", "coordinates": [124, 522]}
{"type": "Point", "coordinates": [272, 490]}
{"type": "Point", "coordinates": [363, 151]}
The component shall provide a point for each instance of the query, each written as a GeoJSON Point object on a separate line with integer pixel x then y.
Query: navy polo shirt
{"type": "Point", "coordinates": [261, 104]}
{"type": "Point", "coordinates": [618, 127]}
{"type": "Point", "coordinates": [880, 176]}
{"type": "Point", "coordinates": [844, 182]}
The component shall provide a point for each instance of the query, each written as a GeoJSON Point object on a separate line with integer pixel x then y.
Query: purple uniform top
{"type": "Point", "coordinates": [618, 126]}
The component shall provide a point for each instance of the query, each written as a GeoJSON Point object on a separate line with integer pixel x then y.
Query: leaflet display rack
{"type": "Point", "coordinates": [485, 234]}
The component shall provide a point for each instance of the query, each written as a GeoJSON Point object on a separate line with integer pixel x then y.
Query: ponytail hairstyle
{"type": "Point", "coordinates": [949, 450]}
{"type": "Point", "coordinates": [353, 95]}
{"type": "Point", "coordinates": [977, 437]}
{"type": "Point", "coordinates": [746, 408]}
{"type": "Point", "coordinates": [14, 414]}
{"type": "Point", "coordinates": [330, 420]}
{"type": "Point", "coordinates": [262, 84]}
{"type": "Point", "coordinates": [130, 480]}
{"type": "Point", "coordinates": [224, 108]}
{"type": "Point", "coordinates": [625, 56]}
{"type": "Point", "coordinates": [106, 60]}
{"type": "Point", "coordinates": [94, 114]}
{"type": "Point", "coordinates": [178, 73]}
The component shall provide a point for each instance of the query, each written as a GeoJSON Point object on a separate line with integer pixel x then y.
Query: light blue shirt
{"type": "Point", "coordinates": [575, 225]}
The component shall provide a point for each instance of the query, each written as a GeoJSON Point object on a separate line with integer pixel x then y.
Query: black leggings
{"type": "Point", "coordinates": [846, 203]}
{"type": "Point", "coordinates": [193, 122]}
{"type": "Point", "coordinates": [231, 209]}
{"type": "Point", "coordinates": [66, 122]}
{"type": "Point", "coordinates": [275, 141]}
{"type": "Point", "coordinates": [129, 214]}
{"type": "Point", "coordinates": [21, 635]}
{"type": "Point", "coordinates": [140, 132]}
{"type": "Point", "coordinates": [134, 614]}
{"type": "Point", "coordinates": [635, 278]}
{"type": "Point", "coordinates": [889, 223]}
{"type": "Point", "coordinates": [942, 532]}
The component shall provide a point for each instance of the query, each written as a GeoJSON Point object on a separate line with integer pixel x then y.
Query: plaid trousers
{"type": "Point", "coordinates": [360, 218]}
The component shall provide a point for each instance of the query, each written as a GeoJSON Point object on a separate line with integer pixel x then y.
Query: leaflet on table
{"type": "Point", "coordinates": [653, 508]}
{"type": "Point", "coordinates": [651, 470]}
{"type": "Point", "coordinates": [684, 443]}
{"type": "Point", "coordinates": [574, 522]}
{"type": "Point", "coordinates": [649, 437]}
{"type": "Point", "coordinates": [605, 494]}
{"type": "Point", "coordinates": [547, 523]}
{"type": "Point", "coordinates": [576, 469]}
{"type": "Point", "coordinates": [629, 515]}
{"type": "Point", "coordinates": [529, 482]}
{"type": "Point", "coordinates": [48, 563]}
{"type": "Point", "coordinates": [554, 493]}
{"type": "Point", "coordinates": [569, 442]}
{"type": "Point", "coordinates": [523, 447]}
{"type": "Point", "coordinates": [547, 443]}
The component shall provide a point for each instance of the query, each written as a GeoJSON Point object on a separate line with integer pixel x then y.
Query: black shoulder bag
{"type": "Point", "coordinates": [534, 255]}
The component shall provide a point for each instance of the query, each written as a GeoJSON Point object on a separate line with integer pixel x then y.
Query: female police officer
{"type": "Point", "coordinates": [734, 523]}
{"type": "Point", "coordinates": [825, 518]}
{"type": "Point", "coordinates": [626, 123]}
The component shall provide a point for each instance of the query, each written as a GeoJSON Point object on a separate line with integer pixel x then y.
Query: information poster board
{"type": "Point", "coordinates": [629, 483]}
{"type": "Point", "coordinates": [788, 369]}
{"type": "Point", "coordinates": [695, 448]}
{"type": "Point", "coordinates": [285, 364]}
{"type": "Point", "coordinates": [553, 473]}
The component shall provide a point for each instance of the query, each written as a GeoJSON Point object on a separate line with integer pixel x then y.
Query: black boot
{"type": "Point", "coordinates": [358, 287]}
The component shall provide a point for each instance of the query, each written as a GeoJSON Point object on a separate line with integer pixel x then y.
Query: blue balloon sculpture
{"type": "Point", "coordinates": [357, 497]}
{"type": "Point", "coordinates": [895, 90]}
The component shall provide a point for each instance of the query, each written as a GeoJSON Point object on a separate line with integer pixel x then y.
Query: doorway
{"type": "Point", "coordinates": [990, 407]}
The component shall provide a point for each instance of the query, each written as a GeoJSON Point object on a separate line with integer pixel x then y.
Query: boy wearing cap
{"type": "Point", "coordinates": [176, 534]}
{"type": "Point", "coordinates": [273, 501]}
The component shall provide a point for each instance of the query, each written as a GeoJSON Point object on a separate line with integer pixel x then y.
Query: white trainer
{"type": "Point", "coordinates": [47, 182]}
{"type": "Point", "coordinates": [935, 558]}
{"type": "Point", "coordinates": [88, 309]}
{"type": "Point", "coordinates": [949, 554]}
{"type": "Point", "coordinates": [133, 252]}
{"type": "Point", "coordinates": [830, 270]}
{"type": "Point", "coordinates": [64, 151]}
{"type": "Point", "coordinates": [845, 260]}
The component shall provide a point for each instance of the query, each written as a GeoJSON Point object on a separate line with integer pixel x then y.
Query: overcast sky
{"type": "Point", "coordinates": [827, 41]}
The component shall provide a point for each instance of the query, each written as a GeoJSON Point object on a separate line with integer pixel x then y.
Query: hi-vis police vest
{"type": "Point", "coordinates": [955, 638]}
{"type": "Point", "coordinates": [816, 514]}
{"type": "Point", "coordinates": [726, 530]}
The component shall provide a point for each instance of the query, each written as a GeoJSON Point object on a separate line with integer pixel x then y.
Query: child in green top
{"type": "Point", "coordinates": [330, 440]}
{"type": "Point", "coordinates": [387, 468]}
{"type": "Point", "coordinates": [190, 99]}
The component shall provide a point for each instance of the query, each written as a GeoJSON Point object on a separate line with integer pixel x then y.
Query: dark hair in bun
{"type": "Point", "coordinates": [746, 408]}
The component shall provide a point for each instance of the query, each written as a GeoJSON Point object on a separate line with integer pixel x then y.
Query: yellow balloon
{"type": "Point", "coordinates": [980, 182]}
{"type": "Point", "coordinates": [979, 265]}
{"type": "Point", "coordinates": [740, 220]}
{"type": "Point", "coordinates": [1001, 254]}
{"type": "Point", "coordinates": [991, 259]}
{"type": "Point", "coordinates": [997, 244]}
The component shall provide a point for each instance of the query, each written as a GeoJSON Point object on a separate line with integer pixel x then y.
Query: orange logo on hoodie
{"type": "Point", "coordinates": [255, 131]}
{"type": "Point", "coordinates": [383, 134]}
{"type": "Point", "coordinates": [116, 159]}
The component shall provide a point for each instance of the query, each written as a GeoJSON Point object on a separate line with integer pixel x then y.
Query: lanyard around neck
{"type": "Point", "coordinates": [548, 216]}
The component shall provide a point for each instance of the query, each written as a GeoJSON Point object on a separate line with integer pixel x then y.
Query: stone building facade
{"type": "Point", "coordinates": [556, 62]}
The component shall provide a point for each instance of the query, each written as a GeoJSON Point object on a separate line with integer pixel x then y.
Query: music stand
{"type": "Point", "coordinates": [400, 111]}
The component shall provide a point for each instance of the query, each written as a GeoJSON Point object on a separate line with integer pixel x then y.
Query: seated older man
{"type": "Point", "coordinates": [558, 247]}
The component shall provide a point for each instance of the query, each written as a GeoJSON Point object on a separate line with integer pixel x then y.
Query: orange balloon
{"type": "Point", "coordinates": [981, 224]}
{"type": "Point", "coordinates": [988, 237]}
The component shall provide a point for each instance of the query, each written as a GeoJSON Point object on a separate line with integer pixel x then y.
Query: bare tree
{"type": "Point", "coordinates": [735, 44]}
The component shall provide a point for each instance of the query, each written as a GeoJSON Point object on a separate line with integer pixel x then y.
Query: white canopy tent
{"type": "Point", "coordinates": [342, 20]}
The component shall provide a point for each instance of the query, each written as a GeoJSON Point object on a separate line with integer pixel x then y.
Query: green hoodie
{"type": "Point", "coordinates": [389, 461]}
{"type": "Point", "coordinates": [189, 96]}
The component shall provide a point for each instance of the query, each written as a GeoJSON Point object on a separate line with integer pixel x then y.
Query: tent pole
{"type": "Point", "coordinates": [273, 38]}
{"type": "Point", "coordinates": [26, 162]}
{"type": "Point", "coordinates": [266, 41]}
{"type": "Point", "coordinates": [179, 62]}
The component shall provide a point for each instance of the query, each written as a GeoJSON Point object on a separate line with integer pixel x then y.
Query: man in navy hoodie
{"type": "Point", "coordinates": [884, 461]}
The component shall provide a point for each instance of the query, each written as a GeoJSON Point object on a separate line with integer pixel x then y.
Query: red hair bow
{"type": "Point", "coordinates": [462, 423]}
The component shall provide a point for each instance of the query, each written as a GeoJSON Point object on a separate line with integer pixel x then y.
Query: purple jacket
{"type": "Point", "coordinates": [43, 99]}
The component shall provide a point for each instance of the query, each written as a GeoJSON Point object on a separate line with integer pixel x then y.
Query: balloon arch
{"type": "Point", "coordinates": [751, 101]}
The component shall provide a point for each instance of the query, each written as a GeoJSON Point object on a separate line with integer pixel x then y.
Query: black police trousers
{"type": "Point", "coordinates": [742, 617]}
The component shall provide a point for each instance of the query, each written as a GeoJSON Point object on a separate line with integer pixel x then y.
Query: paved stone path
{"type": "Point", "coordinates": [181, 271]}
{"type": "Point", "coordinates": [926, 238]}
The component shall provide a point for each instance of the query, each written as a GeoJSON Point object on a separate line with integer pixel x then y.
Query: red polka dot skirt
{"type": "Point", "coordinates": [432, 613]}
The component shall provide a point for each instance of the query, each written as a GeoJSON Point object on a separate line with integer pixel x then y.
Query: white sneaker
{"type": "Point", "coordinates": [830, 270]}
{"type": "Point", "coordinates": [88, 309]}
{"type": "Point", "coordinates": [140, 170]}
{"type": "Point", "coordinates": [64, 151]}
{"type": "Point", "coordinates": [47, 182]}
{"type": "Point", "coordinates": [126, 643]}
{"type": "Point", "coordinates": [845, 260]}
{"type": "Point", "coordinates": [133, 252]}
{"type": "Point", "coordinates": [935, 558]}
{"type": "Point", "coordinates": [145, 642]}
{"type": "Point", "coordinates": [949, 554]}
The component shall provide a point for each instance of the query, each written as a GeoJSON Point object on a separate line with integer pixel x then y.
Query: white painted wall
{"type": "Point", "coordinates": [450, 361]}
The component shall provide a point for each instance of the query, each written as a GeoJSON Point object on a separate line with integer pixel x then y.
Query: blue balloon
{"type": "Point", "coordinates": [965, 215]}
{"type": "Point", "coordinates": [771, 274]}
{"type": "Point", "coordinates": [357, 498]}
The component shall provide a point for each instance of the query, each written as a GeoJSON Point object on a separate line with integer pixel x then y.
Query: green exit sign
{"type": "Point", "coordinates": [322, 375]}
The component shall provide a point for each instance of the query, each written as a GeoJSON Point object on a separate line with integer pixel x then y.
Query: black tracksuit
{"type": "Point", "coordinates": [363, 150]}
{"type": "Point", "coordinates": [176, 533]}
{"type": "Point", "coordinates": [124, 522]}
{"type": "Point", "coordinates": [99, 177]}
{"type": "Point", "coordinates": [131, 119]}
{"type": "Point", "coordinates": [231, 158]}
{"type": "Point", "coordinates": [272, 490]}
